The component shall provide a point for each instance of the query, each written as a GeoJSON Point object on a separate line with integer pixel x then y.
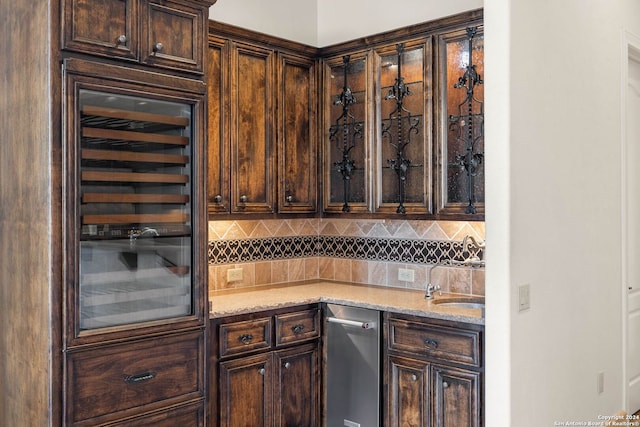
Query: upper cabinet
{"type": "Point", "coordinates": [261, 127]}
{"type": "Point", "coordinates": [161, 33]}
{"type": "Point", "coordinates": [391, 125]}
{"type": "Point", "coordinates": [402, 128]}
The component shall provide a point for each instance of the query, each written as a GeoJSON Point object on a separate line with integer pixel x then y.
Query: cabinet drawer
{"type": "Point", "coordinates": [187, 416]}
{"type": "Point", "coordinates": [436, 342]}
{"type": "Point", "coordinates": [298, 326]}
{"type": "Point", "coordinates": [242, 337]}
{"type": "Point", "coordinates": [130, 378]}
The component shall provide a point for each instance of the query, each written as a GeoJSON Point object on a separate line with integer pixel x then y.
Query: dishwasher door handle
{"type": "Point", "coordinates": [357, 323]}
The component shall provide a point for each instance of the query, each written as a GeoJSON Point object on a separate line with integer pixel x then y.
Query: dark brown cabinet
{"type": "Point", "coordinates": [163, 33]}
{"type": "Point", "coordinates": [115, 287]}
{"type": "Point", "coordinates": [135, 301]}
{"type": "Point", "coordinates": [241, 144]}
{"type": "Point", "coordinates": [402, 128]}
{"type": "Point", "coordinates": [261, 144]}
{"type": "Point", "coordinates": [267, 369]}
{"type": "Point", "coordinates": [434, 373]}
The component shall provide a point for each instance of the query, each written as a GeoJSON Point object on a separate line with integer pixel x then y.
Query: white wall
{"type": "Point", "coordinates": [343, 20]}
{"type": "Point", "coordinates": [290, 19]}
{"type": "Point", "coordinates": [324, 22]}
{"type": "Point", "coordinates": [552, 75]}
{"type": "Point", "coordinates": [553, 208]}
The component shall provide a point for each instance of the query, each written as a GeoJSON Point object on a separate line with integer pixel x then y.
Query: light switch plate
{"type": "Point", "coordinates": [524, 297]}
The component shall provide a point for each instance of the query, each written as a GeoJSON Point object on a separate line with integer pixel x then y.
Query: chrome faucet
{"type": "Point", "coordinates": [431, 288]}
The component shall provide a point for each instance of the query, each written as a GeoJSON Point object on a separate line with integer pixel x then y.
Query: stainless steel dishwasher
{"type": "Point", "coordinates": [353, 366]}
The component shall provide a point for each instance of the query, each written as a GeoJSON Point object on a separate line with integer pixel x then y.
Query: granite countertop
{"type": "Point", "coordinates": [405, 301]}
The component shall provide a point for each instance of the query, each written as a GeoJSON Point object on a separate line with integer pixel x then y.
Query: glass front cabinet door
{"type": "Point", "coordinates": [133, 162]}
{"type": "Point", "coordinates": [461, 62]}
{"type": "Point", "coordinates": [404, 133]}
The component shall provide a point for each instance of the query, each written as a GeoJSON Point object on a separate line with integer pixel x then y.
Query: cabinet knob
{"type": "Point", "coordinates": [445, 384]}
{"type": "Point", "coordinates": [429, 342]}
{"type": "Point", "coordinates": [414, 377]}
{"type": "Point", "coordinates": [287, 365]}
{"type": "Point", "coordinates": [158, 47]}
{"type": "Point", "coordinates": [261, 371]}
{"type": "Point", "coordinates": [245, 339]}
{"type": "Point", "coordinates": [243, 199]}
{"type": "Point", "coordinates": [289, 198]}
{"type": "Point", "coordinates": [297, 329]}
{"type": "Point", "coordinates": [122, 39]}
{"type": "Point", "coordinates": [217, 199]}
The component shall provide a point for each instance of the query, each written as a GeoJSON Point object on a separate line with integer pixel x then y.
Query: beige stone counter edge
{"type": "Point", "coordinates": [396, 300]}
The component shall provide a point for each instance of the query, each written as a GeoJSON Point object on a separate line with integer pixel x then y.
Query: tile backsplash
{"type": "Point", "coordinates": [350, 250]}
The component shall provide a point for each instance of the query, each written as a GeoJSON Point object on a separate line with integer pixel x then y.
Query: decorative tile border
{"type": "Point", "coordinates": [413, 251]}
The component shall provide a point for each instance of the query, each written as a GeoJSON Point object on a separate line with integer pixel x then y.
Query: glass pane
{"type": "Point", "coordinates": [347, 133]}
{"type": "Point", "coordinates": [403, 128]}
{"type": "Point", "coordinates": [135, 209]}
{"type": "Point", "coordinates": [465, 111]}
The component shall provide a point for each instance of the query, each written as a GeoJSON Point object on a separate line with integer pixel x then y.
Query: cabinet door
{"type": "Point", "coordinates": [404, 173]}
{"type": "Point", "coordinates": [409, 392]}
{"type": "Point", "coordinates": [101, 27]}
{"type": "Point", "coordinates": [346, 142]}
{"type": "Point", "coordinates": [217, 78]}
{"type": "Point", "coordinates": [172, 35]}
{"type": "Point", "coordinates": [245, 395]}
{"type": "Point", "coordinates": [461, 180]}
{"type": "Point", "coordinates": [296, 135]}
{"type": "Point", "coordinates": [251, 133]}
{"type": "Point", "coordinates": [297, 388]}
{"type": "Point", "coordinates": [457, 394]}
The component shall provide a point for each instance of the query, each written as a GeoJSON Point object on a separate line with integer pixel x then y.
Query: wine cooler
{"type": "Point", "coordinates": [134, 160]}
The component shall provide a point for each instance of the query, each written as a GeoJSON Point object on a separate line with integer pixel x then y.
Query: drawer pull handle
{"type": "Point", "coordinates": [139, 378]}
{"type": "Point", "coordinates": [297, 329]}
{"type": "Point", "coordinates": [245, 339]}
{"type": "Point", "coordinates": [431, 343]}
{"type": "Point", "coordinates": [261, 371]}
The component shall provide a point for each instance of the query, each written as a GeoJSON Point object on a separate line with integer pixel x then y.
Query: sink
{"type": "Point", "coordinates": [475, 303]}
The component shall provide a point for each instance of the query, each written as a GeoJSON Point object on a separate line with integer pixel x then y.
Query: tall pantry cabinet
{"type": "Point", "coordinates": [102, 218]}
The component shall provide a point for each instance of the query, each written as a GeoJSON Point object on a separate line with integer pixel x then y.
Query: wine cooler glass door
{"type": "Point", "coordinates": [135, 157]}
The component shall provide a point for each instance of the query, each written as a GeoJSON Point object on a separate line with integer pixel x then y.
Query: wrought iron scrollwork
{"type": "Point", "coordinates": [398, 130]}
{"type": "Point", "coordinates": [469, 124]}
{"type": "Point", "coordinates": [344, 133]}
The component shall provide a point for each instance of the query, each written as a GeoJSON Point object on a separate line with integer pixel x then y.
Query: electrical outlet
{"type": "Point", "coordinates": [524, 297]}
{"type": "Point", "coordinates": [406, 275]}
{"type": "Point", "coordinates": [234, 274]}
